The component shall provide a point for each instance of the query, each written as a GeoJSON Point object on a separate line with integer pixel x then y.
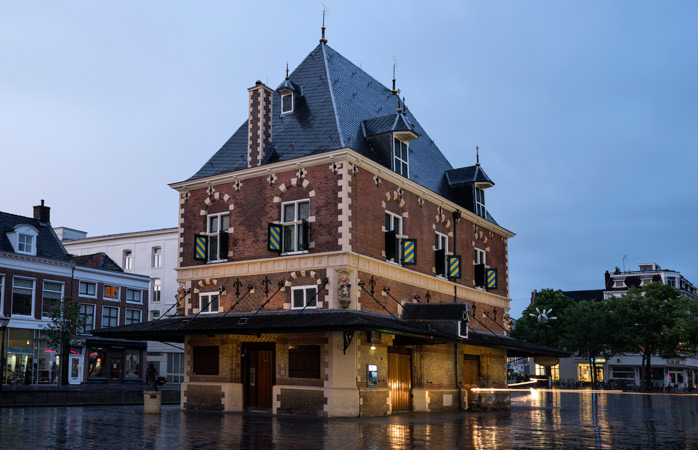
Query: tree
{"type": "Point", "coordinates": [527, 327]}
{"type": "Point", "coordinates": [61, 333]}
{"type": "Point", "coordinates": [653, 320]}
{"type": "Point", "coordinates": [586, 326]}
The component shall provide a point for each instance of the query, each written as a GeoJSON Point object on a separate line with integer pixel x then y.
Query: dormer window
{"type": "Point", "coordinates": [287, 103]}
{"type": "Point", "coordinates": [25, 243]}
{"type": "Point", "coordinates": [23, 239]}
{"type": "Point", "coordinates": [401, 157]}
{"type": "Point", "coordinates": [480, 202]}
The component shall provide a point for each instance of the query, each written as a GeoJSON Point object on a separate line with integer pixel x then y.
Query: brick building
{"type": "Point", "coordinates": [35, 272]}
{"type": "Point", "coordinates": [334, 263]}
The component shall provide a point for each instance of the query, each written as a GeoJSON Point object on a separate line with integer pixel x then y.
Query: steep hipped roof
{"type": "Point", "coordinates": [339, 99]}
{"type": "Point", "coordinates": [47, 243]}
{"type": "Point", "coordinates": [96, 261]}
{"type": "Point", "coordinates": [471, 174]}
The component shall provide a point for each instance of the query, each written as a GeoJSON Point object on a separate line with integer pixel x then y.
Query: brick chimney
{"type": "Point", "coordinates": [259, 125]}
{"type": "Point", "coordinates": [42, 213]}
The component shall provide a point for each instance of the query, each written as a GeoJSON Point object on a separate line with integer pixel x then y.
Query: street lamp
{"type": "Point", "coordinates": [4, 321]}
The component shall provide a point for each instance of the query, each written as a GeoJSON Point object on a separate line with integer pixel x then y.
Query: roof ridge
{"type": "Point", "coordinates": [334, 103]}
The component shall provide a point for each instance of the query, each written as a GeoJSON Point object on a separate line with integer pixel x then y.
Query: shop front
{"type": "Point", "coordinates": [115, 361]}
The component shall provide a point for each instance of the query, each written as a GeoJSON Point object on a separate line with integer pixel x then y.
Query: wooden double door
{"type": "Point", "coordinates": [400, 378]}
{"type": "Point", "coordinates": [258, 365]}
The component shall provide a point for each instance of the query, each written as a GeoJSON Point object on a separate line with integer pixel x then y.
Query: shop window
{"type": "Point", "coordinates": [22, 296]}
{"type": "Point", "coordinates": [440, 254]}
{"type": "Point", "coordinates": [208, 303]}
{"type": "Point", "coordinates": [51, 295]}
{"type": "Point", "coordinates": [554, 371]}
{"type": "Point", "coordinates": [175, 367]}
{"type": "Point", "coordinates": [132, 316]}
{"type": "Point", "coordinates": [157, 257]}
{"type": "Point", "coordinates": [393, 236]}
{"type": "Point", "coordinates": [304, 361]}
{"type": "Point", "coordinates": [110, 317]}
{"type": "Point", "coordinates": [156, 290]}
{"type": "Point", "coordinates": [295, 226]}
{"type": "Point", "coordinates": [111, 292]}
{"type": "Point", "coordinates": [134, 296]}
{"type": "Point", "coordinates": [205, 360]}
{"type": "Point", "coordinates": [88, 313]}
{"type": "Point", "coordinates": [97, 365]}
{"type": "Point", "coordinates": [132, 364]}
{"type": "Point", "coordinates": [128, 260]}
{"type": "Point", "coordinates": [304, 297]}
{"type": "Point", "coordinates": [87, 289]}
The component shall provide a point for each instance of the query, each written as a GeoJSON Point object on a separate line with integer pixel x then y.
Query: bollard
{"type": "Point", "coordinates": [152, 401]}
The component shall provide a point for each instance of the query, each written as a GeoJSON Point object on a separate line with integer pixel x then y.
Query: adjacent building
{"type": "Point", "coordinates": [153, 253]}
{"type": "Point", "coordinates": [35, 272]}
{"type": "Point", "coordinates": [334, 263]}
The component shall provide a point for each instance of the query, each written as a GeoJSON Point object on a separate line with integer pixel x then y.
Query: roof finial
{"type": "Point", "coordinates": [394, 91]}
{"type": "Point", "coordinates": [477, 155]}
{"type": "Point", "coordinates": [404, 104]}
{"type": "Point", "coordinates": [287, 71]}
{"type": "Point", "coordinates": [323, 40]}
{"type": "Point", "coordinates": [399, 107]}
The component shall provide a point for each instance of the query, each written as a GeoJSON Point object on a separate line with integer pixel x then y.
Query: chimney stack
{"type": "Point", "coordinates": [259, 124]}
{"type": "Point", "coordinates": [42, 213]}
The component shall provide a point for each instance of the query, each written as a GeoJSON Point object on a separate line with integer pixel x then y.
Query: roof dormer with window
{"type": "Point", "coordinates": [23, 239]}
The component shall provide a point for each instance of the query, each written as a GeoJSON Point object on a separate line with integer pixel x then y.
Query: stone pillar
{"type": "Point", "coordinates": [152, 401]}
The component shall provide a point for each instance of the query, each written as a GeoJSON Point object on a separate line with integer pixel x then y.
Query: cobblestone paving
{"type": "Point", "coordinates": [547, 420]}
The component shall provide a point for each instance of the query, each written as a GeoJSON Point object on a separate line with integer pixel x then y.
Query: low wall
{"type": "Point", "coordinates": [10, 398]}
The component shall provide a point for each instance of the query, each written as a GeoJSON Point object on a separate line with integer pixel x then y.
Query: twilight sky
{"type": "Point", "coordinates": [586, 113]}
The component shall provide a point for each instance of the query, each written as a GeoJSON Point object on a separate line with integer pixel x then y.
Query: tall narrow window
{"type": "Point", "coordinates": [479, 256]}
{"type": "Point", "coordinates": [400, 157]}
{"type": "Point", "coordinates": [157, 257]}
{"type": "Point", "coordinates": [440, 253]}
{"type": "Point", "coordinates": [128, 260]}
{"type": "Point", "coordinates": [480, 202]}
{"type": "Point", "coordinates": [479, 260]}
{"type": "Point", "coordinates": [294, 218]}
{"type": "Point", "coordinates": [22, 296]}
{"type": "Point", "coordinates": [217, 229]}
{"type": "Point", "coordinates": [393, 235]}
{"type": "Point", "coordinates": [110, 316]}
{"type": "Point", "coordinates": [52, 294]}
{"type": "Point", "coordinates": [88, 312]}
{"type": "Point", "coordinates": [156, 290]}
{"type": "Point", "coordinates": [287, 103]}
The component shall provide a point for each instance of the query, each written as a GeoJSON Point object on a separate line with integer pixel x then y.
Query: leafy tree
{"type": "Point", "coordinates": [654, 320]}
{"type": "Point", "coordinates": [61, 333]}
{"type": "Point", "coordinates": [527, 328]}
{"type": "Point", "coordinates": [586, 327]}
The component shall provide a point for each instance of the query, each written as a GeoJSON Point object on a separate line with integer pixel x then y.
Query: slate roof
{"type": "Point", "coordinates": [384, 124]}
{"type": "Point", "coordinates": [471, 174]}
{"type": "Point", "coordinates": [339, 99]}
{"type": "Point", "coordinates": [96, 261]}
{"type": "Point", "coordinates": [47, 243]}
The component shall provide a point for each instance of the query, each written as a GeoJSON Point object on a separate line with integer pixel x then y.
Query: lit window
{"type": "Point", "coordinates": [441, 253]}
{"type": "Point", "coordinates": [22, 297]}
{"type": "Point", "coordinates": [208, 303]}
{"type": "Point", "coordinates": [294, 218]}
{"type": "Point", "coordinates": [217, 230]}
{"type": "Point", "coordinates": [128, 260]}
{"type": "Point", "coordinates": [25, 243]}
{"type": "Point", "coordinates": [110, 316]}
{"type": "Point", "coordinates": [156, 290]}
{"type": "Point", "coordinates": [304, 297]}
{"type": "Point", "coordinates": [88, 312]}
{"type": "Point", "coordinates": [157, 257]}
{"type": "Point", "coordinates": [393, 236]}
{"type": "Point", "coordinates": [133, 296]}
{"type": "Point", "coordinates": [287, 103]}
{"type": "Point", "coordinates": [400, 157]}
{"type": "Point", "coordinates": [52, 294]}
{"type": "Point", "coordinates": [480, 202]}
{"type": "Point", "coordinates": [132, 316]}
{"type": "Point", "coordinates": [87, 289]}
{"type": "Point", "coordinates": [111, 292]}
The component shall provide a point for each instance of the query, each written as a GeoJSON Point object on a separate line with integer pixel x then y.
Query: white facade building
{"type": "Point", "coordinates": [153, 253]}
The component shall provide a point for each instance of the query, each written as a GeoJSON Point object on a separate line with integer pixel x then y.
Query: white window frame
{"type": "Point", "coordinates": [2, 293]}
{"type": "Point", "coordinates": [397, 157]}
{"type": "Point", "coordinates": [156, 291]}
{"type": "Point", "coordinates": [156, 259]}
{"type": "Point", "coordinates": [111, 299]}
{"type": "Point", "coordinates": [30, 241]}
{"type": "Point", "coordinates": [43, 295]}
{"type": "Point", "coordinates": [205, 300]}
{"type": "Point", "coordinates": [126, 318]}
{"type": "Point", "coordinates": [461, 333]}
{"type": "Point", "coordinates": [671, 281]}
{"type": "Point", "coordinates": [441, 243]}
{"type": "Point", "coordinates": [283, 96]}
{"type": "Point", "coordinates": [91, 325]}
{"type": "Point", "coordinates": [104, 308]}
{"type": "Point", "coordinates": [398, 235]}
{"type": "Point", "coordinates": [216, 234]}
{"type": "Point", "coordinates": [305, 290]}
{"type": "Point", "coordinates": [619, 283]}
{"type": "Point", "coordinates": [479, 257]}
{"type": "Point", "coordinates": [295, 225]}
{"type": "Point", "coordinates": [87, 283]}
{"type": "Point", "coordinates": [33, 300]}
{"type": "Point", "coordinates": [127, 260]}
{"type": "Point", "coordinates": [480, 208]}
{"type": "Point", "coordinates": [154, 314]}
{"type": "Point", "coordinates": [133, 291]}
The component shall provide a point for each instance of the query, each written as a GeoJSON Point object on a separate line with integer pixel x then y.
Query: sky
{"type": "Point", "coordinates": [585, 112]}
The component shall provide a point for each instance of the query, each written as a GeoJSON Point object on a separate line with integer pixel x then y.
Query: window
{"type": "Point", "coordinates": [22, 296]}
{"type": "Point", "coordinates": [554, 371]}
{"type": "Point", "coordinates": [132, 316]}
{"type": "Point", "coordinates": [155, 314]}
{"type": "Point", "coordinates": [294, 218]}
{"type": "Point", "coordinates": [205, 360]}
{"type": "Point", "coordinates": [217, 230]}
{"type": "Point", "coordinates": [479, 257]}
{"type": "Point", "coordinates": [208, 303]}
{"type": "Point", "coordinates": [110, 316]}
{"type": "Point", "coordinates": [134, 296]}
{"type": "Point", "coordinates": [157, 257]}
{"type": "Point", "coordinates": [87, 289]}
{"type": "Point", "coordinates": [304, 361]}
{"type": "Point", "coordinates": [2, 294]}
{"type": "Point", "coordinates": [111, 292]}
{"type": "Point", "coordinates": [88, 312]}
{"type": "Point", "coordinates": [128, 260]}
{"type": "Point", "coordinates": [400, 157]}
{"type": "Point", "coordinates": [671, 281]}
{"type": "Point", "coordinates": [480, 202]}
{"type": "Point", "coordinates": [619, 283]}
{"type": "Point", "coordinates": [52, 294]}
{"type": "Point", "coordinates": [440, 253]}
{"type": "Point", "coordinates": [287, 103]}
{"type": "Point", "coordinates": [304, 297]}
{"type": "Point", "coordinates": [393, 235]}
{"type": "Point", "coordinates": [25, 243]}
{"type": "Point", "coordinates": [156, 290]}
{"type": "Point", "coordinates": [175, 367]}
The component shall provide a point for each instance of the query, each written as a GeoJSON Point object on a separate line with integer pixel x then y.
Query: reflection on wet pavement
{"type": "Point", "coordinates": [557, 419]}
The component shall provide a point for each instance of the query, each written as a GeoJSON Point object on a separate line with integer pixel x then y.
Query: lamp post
{"type": "Point", "coordinates": [4, 321]}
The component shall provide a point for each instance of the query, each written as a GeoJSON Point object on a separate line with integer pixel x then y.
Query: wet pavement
{"type": "Point", "coordinates": [557, 419]}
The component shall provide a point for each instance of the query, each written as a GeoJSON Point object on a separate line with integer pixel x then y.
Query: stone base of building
{"type": "Point", "coordinates": [212, 396]}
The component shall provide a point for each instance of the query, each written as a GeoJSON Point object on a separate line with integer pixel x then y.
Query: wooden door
{"type": "Point", "coordinates": [400, 379]}
{"type": "Point", "coordinates": [259, 377]}
{"type": "Point", "coordinates": [471, 369]}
